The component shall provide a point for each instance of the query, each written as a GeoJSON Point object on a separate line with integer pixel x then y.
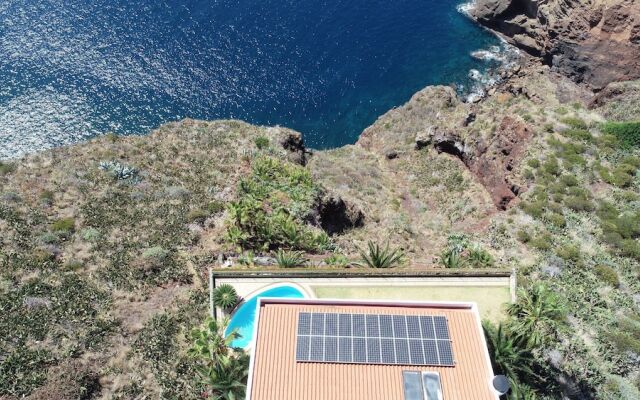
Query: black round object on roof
{"type": "Point", "coordinates": [501, 384]}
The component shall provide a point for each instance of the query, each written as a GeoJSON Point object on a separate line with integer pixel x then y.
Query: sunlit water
{"type": "Point", "coordinates": [73, 69]}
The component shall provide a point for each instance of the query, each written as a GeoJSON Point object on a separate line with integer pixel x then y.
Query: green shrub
{"type": "Point", "coordinates": [337, 260]}
{"type": "Point", "coordinates": [64, 226]}
{"type": "Point", "coordinates": [548, 127]}
{"type": "Point", "coordinates": [73, 265]}
{"type": "Point", "coordinates": [290, 259]}
{"type": "Point", "coordinates": [542, 242]}
{"type": "Point", "coordinates": [215, 207]}
{"type": "Point", "coordinates": [535, 209]}
{"type": "Point", "coordinates": [569, 180]}
{"type": "Point", "coordinates": [533, 163]}
{"type": "Point", "coordinates": [561, 111]}
{"type": "Point", "coordinates": [155, 253]}
{"type": "Point", "coordinates": [262, 142]}
{"type": "Point", "coordinates": [579, 203]}
{"type": "Point", "coordinates": [575, 122]}
{"type": "Point", "coordinates": [480, 258]}
{"type": "Point", "coordinates": [381, 257]}
{"type": "Point", "coordinates": [225, 296]}
{"type": "Point", "coordinates": [607, 274]}
{"type": "Point", "coordinates": [90, 234]}
{"type": "Point", "coordinates": [523, 236]}
{"type": "Point", "coordinates": [528, 174]}
{"type": "Point", "coordinates": [274, 201]}
{"type": "Point", "coordinates": [197, 216]}
{"type": "Point", "coordinates": [578, 134]}
{"type": "Point", "coordinates": [46, 197]}
{"type": "Point", "coordinates": [569, 252]}
{"type": "Point", "coordinates": [452, 259]}
{"type": "Point", "coordinates": [551, 166]}
{"type": "Point", "coordinates": [556, 219]}
{"type": "Point", "coordinates": [6, 168]}
{"type": "Point", "coordinates": [48, 238]}
{"type": "Point", "coordinates": [628, 133]}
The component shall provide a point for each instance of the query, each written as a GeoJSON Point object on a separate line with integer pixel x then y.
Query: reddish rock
{"type": "Point", "coordinates": [493, 162]}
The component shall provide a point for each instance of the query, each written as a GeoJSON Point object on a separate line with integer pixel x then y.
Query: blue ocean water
{"type": "Point", "coordinates": [73, 69]}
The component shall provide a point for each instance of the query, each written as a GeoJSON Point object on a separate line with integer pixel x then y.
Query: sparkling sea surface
{"type": "Point", "coordinates": [74, 69]}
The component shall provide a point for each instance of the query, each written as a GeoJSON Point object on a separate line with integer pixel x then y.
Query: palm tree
{"type": "Point", "coordinates": [225, 296]}
{"type": "Point", "coordinates": [538, 313]}
{"type": "Point", "coordinates": [220, 366]}
{"type": "Point", "coordinates": [509, 357]}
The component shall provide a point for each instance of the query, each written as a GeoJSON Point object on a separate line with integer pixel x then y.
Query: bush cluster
{"type": "Point", "coordinates": [274, 203]}
{"type": "Point", "coordinates": [620, 230]}
{"type": "Point", "coordinates": [628, 133]}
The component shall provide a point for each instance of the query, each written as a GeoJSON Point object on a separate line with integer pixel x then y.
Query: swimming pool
{"type": "Point", "coordinates": [244, 318]}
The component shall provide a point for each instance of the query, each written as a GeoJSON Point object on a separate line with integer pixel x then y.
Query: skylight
{"type": "Point", "coordinates": [421, 385]}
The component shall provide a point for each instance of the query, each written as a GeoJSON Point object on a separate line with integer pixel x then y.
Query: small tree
{"type": "Point", "coordinates": [223, 368]}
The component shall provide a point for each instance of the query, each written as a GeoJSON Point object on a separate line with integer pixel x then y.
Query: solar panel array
{"type": "Point", "coordinates": [373, 339]}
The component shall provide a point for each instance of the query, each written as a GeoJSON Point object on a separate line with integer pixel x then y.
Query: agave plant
{"type": "Point", "coordinates": [479, 257]}
{"type": "Point", "coordinates": [225, 296]}
{"type": "Point", "coordinates": [118, 171]}
{"type": "Point", "coordinates": [290, 259]}
{"type": "Point", "coordinates": [381, 257]}
{"type": "Point", "coordinates": [451, 258]}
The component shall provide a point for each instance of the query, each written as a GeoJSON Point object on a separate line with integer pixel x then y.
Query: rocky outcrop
{"type": "Point", "coordinates": [591, 41]}
{"type": "Point", "coordinates": [336, 216]}
{"type": "Point", "coordinates": [492, 162]}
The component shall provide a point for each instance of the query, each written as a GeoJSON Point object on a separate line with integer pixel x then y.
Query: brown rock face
{"type": "Point", "coordinates": [493, 162]}
{"type": "Point", "coordinates": [591, 41]}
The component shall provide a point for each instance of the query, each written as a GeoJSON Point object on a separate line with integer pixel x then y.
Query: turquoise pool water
{"type": "Point", "coordinates": [244, 318]}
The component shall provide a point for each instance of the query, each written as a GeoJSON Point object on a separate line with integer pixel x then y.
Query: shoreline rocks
{"type": "Point", "coordinates": [591, 41]}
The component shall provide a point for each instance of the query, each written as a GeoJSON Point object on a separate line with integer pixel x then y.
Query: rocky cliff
{"type": "Point", "coordinates": [592, 41]}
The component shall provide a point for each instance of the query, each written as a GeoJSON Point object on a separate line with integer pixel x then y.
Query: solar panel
{"type": "Point", "coordinates": [331, 348]}
{"type": "Point", "coordinates": [304, 324]}
{"type": "Point", "coordinates": [400, 326]}
{"type": "Point", "coordinates": [373, 326]}
{"type": "Point", "coordinates": [445, 352]}
{"type": "Point", "coordinates": [441, 327]}
{"type": "Point", "coordinates": [402, 352]}
{"type": "Point", "coordinates": [316, 353]}
{"type": "Point", "coordinates": [413, 327]}
{"type": "Point", "coordinates": [388, 351]}
{"type": "Point", "coordinates": [331, 325]}
{"type": "Point", "coordinates": [373, 351]}
{"type": "Point", "coordinates": [386, 326]}
{"type": "Point", "coordinates": [373, 339]}
{"type": "Point", "coordinates": [359, 350]}
{"type": "Point", "coordinates": [345, 350]}
{"type": "Point", "coordinates": [416, 352]}
{"type": "Point", "coordinates": [344, 324]}
{"type": "Point", "coordinates": [302, 348]}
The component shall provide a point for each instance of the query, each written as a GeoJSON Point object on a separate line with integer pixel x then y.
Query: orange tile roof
{"type": "Point", "coordinates": [275, 375]}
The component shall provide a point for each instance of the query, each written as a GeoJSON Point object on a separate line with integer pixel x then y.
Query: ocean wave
{"type": "Point", "coordinates": [465, 8]}
{"type": "Point", "coordinates": [497, 59]}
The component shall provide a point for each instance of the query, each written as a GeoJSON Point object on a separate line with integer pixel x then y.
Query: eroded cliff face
{"type": "Point", "coordinates": [591, 41]}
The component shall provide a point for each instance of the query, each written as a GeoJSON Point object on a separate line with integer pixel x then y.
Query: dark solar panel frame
{"type": "Point", "coordinates": [374, 339]}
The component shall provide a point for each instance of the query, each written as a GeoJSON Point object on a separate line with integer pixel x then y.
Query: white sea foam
{"type": "Point", "coordinates": [465, 8]}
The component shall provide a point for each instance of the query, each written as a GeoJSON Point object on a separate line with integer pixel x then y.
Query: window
{"type": "Point", "coordinates": [421, 385]}
{"type": "Point", "coordinates": [431, 383]}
